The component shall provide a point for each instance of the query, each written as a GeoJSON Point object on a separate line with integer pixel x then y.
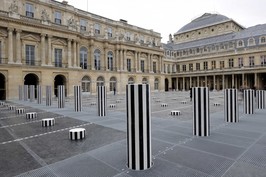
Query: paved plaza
{"type": "Point", "coordinates": [28, 149]}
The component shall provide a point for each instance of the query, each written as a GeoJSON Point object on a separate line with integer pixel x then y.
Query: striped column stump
{"type": "Point", "coordinates": [183, 102]}
{"type": "Point", "coordinates": [260, 94]}
{"type": "Point", "coordinates": [201, 112]}
{"type": "Point", "coordinates": [101, 100]}
{"type": "Point", "coordinates": [216, 104]}
{"type": "Point", "coordinates": [20, 92]}
{"type": "Point", "coordinates": [2, 103]}
{"type": "Point", "coordinates": [12, 108]}
{"type": "Point", "coordinates": [77, 133]}
{"type": "Point", "coordinates": [20, 110]}
{"type": "Point", "coordinates": [112, 105]}
{"type": "Point", "coordinates": [138, 126]}
{"type": "Point", "coordinates": [48, 95]}
{"type": "Point", "coordinates": [31, 115]}
{"type": "Point", "coordinates": [39, 94]}
{"type": "Point", "coordinates": [164, 105]}
{"type": "Point", "coordinates": [118, 101]}
{"type": "Point", "coordinates": [175, 113]}
{"type": "Point", "coordinates": [25, 92]}
{"type": "Point", "coordinates": [61, 96]}
{"type": "Point", "coordinates": [231, 112]}
{"type": "Point", "coordinates": [248, 101]}
{"type": "Point", "coordinates": [77, 98]}
{"type": "Point", "coordinates": [32, 92]}
{"type": "Point", "coordinates": [6, 105]}
{"type": "Point", "coordinates": [93, 103]}
{"type": "Point", "coordinates": [48, 122]}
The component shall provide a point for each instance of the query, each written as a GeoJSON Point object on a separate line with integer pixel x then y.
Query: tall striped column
{"type": "Point", "coordinates": [249, 101]}
{"type": "Point", "coordinates": [39, 94]}
{"type": "Point", "coordinates": [231, 112]}
{"type": "Point", "coordinates": [32, 93]}
{"type": "Point", "coordinates": [260, 99]}
{"type": "Point", "coordinates": [77, 98]}
{"type": "Point", "coordinates": [101, 91]}
{"type": "Point", "coordinates": [48, 95]}
{"type": "Point", "coordinates": [26, 92]}
{"type": "Point", "coordinates": [20, 92]}
{"type": "Point", "coordinates": [139, 149]}
{"type": "Point", "coordinates": [61, 96]}
{"type": "Point", "coordinates": [201, 112]}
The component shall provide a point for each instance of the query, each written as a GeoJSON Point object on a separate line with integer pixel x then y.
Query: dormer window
{"type": "Point", "coordinates": [240, 44]}
{"type": "Point", "coordinates": [262, 40]}
{"type": "Point", "coordinates": [29, 10]}
{"type": "Point", "coordinates": [251, 42]}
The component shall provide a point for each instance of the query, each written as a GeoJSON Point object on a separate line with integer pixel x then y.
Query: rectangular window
{"type": "Point", "coordinates": [109, 32]}
{"type": "Point", "coordinates": [57, 17]}
{"type": "Point", "coordinates": [128, 36]}
{"type": "Point", "coordinates": [142, 65]}
{"type": "Point", "coordinates": [231, 62]}
{"type": "Point", "coordinates": [213, 64]}
{"type": "Point", "coordinates": [240, 62]}
{"type": "Point", "coordinates": [221, 64]}
{"type": "Point", "coordinates": [184, 67]}
{"type": "Point", "coordinates": [83, 25]}
{"type": "Point", "coordinates": [205, 65]}
{"type": "Point", "coordinates": [154, 67]}
{"type": "Point", "coordinates": [251, 61]}
{"type": "Point", "coordinates": [58, 57]}
{"type": "Point", "coordinates": [198, 66]}
{"type": "Point", "coordinates": [29, 10]}
{"type": "Point", "coordinates": [178, 68]}
{"type": "Point", "coordinates": [262, 60]}
{"type": "Point", "coordinates": [129, 65]}
{"type": "Point", "coordinates": [97, 29]}
{"type": "Point", "coordinates": [190, 67]}
{"type": "Point", "coordinates": [168, 68]}
{"type": "Point", "coordinates": [30, 55]}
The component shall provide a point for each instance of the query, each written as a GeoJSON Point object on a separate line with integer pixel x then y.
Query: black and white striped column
{"type": "Point", "coordinates": [101, 100]}
{"type": "Point", "coordinates": [61, 96]}
{"type": "Point", "coordinates": [48, 95]}
{"type": "Point", "coordinates": [139, 149]}
{"type": "Point", "coordinates": [260, 94]}
{"type": "Point", "coordinates": [201, 119]}
{"type": "Point", "coordinates": [25, 92]}
{"type": "Point", "coordinates": [77, 98]}
{"type": "Point", "coordinates": [32, 93]}
{"type": "Point", "coordinates": [248, 101]}
{"type": "Point", "coordinates": [231, 112]}
{"type": "Point", "coordinates": [20, 92]}
{"type": "Point", "coordinates": [39, 94]}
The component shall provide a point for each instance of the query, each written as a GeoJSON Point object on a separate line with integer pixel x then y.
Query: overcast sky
{"type": "Point", "coordinates": [168, 16]}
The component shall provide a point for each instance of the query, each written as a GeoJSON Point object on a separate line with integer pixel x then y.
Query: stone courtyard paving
{"type": "Point", "coordinates": [232, 149]}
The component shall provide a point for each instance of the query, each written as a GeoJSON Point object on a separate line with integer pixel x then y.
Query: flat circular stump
{"type": "Point", "coordinates": [217, 104]}
{"type": "Point", "coordinates": [77, 133]}
{"type": "Point", "coordinates": [31, 115]}
{"type": "Point", "coordinates": [47, 122]}
{"type": "Point", "coordinates": [164, 104]}
{"type": "Point", "coordinates": [20, 110]}
{"type": "Point", "coordinates": [175, 113]}
{"type": "Point", "coordinates": [112, 105]}
{"type": "Point", "coordinates": [183, 102]}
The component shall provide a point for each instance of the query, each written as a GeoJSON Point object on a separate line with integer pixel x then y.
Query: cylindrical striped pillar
{"type": "Point", "coordinates": [48, 95]}
{"type": "Point", "coordinates": [61, 96]}
{"type": "Point", "coordinates": [39, 94]}
{"type": "Point", "coordinates": [231, 112]}
{"type": "Point", "coordinates": [26, 92]}
{"type": "Point", "coordinates": [101, 100]}
{"type": "Point", "coordinates": [138, 126]}
{"type": "Point", "coordinates": [77, 98]}
{"type": "Point", "coordinates": [260, 99]}
{"type": "Point", "coordinates": [20, 91]}
{"type": "Point", "coordinates": [248, 101]}
{"type": "Point", "coordinates": [201, 112]}
{"type": "Point", "coordinates": [32, 93]}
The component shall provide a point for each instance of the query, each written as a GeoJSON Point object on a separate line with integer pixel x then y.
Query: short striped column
{"type": "Point", "coordinates": [48, 122]}
{"type": "Point", "coordinates": [31, 115]}
{"type": "Point", "coordinates": [20, 92]}
{"type": "Point", "coordinates": [32, 91]}
{"type": "Point", "coordinates": [248, 101]}
{"type": "Point", "coordinates": [77, 98]}
{"type": "Point", "coordinates": [77, 133]}
{"type": "Point", "coordinates": [260, 94]}
{"type": "Point", "coordinates": [138, 106]}
{"type": "Point", "coordinates": [25, 92]}
{"type": "Point", "coordinates": [101, 100]}
{"type": "Point", "coordinates": [231, 112]}
{"type": "Point", "coordinates": [61, 96]}
{"type": "Point", "coordinates": [201, 112]}
{"type": "Point", "coordinates": [39, 94]}
{"type": "Point", "coordinates": [48, 95]}
{"type": "Point", "coordinates": [20, 110]}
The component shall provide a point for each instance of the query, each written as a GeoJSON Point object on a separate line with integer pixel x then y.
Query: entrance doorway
{"type": "Point", "coordinates": [2, 87]}
{"type": "Point", "coordinates": [59, 80]}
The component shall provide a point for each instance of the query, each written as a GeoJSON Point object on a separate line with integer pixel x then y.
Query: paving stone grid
{"type": "Point", "coordinates": [28, 149]}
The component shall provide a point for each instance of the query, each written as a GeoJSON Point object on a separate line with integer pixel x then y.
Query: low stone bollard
{"type": "Point", "coordinates": [31, 115]}
{"type": "Point", "coordinates": [47, 122]}
{"type": "Point", "coordinates": [77, 133]}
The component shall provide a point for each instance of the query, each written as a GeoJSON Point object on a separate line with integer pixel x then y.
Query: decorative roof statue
{"type": "Point", "coordinates": [45, 15]}
{"type": "Point", "coordinates": [72, 23]}
{"type": "Point", "coordinates": [13, 7]}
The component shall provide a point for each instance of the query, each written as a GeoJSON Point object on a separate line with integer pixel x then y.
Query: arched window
{"type": "Point", "coordinates": [86, 84]}
{"type": "Point", "coordinates": [240, 43]}
{"type": "Point", "coordinates": [130, 80]}
{"type": "Point", "coordinates": [144, 80]}
{"type": "Point", "coordinates": [262, 40]}
{"type": "Point", "coordinates": [112, 83]}
{"type": "Point", "coordinates": [251, 41]}
{"type": "Point", "coordinates": [100, 81]}
{"type": "Point", "coordinates": [83, 58]}
{"type": "Point", "coordinates": [110, 61]}
{"type": "Point", "coordinates": [97, 59]}
{"type": "Point", "coordinates": [156, 84]}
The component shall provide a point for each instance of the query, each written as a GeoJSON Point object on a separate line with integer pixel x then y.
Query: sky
{"type": "Point", "coordinates": [168, 16]}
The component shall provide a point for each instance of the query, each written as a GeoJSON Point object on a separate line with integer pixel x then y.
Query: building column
{"type": "Point", "coordinates": [124, 60]}
{"type": "Point", "coordinates": [49, 51]}
{"type": "Point", "coordinates": [190, 82]}
{"type": "Point", "coordinates": [43, 49]}
{"type": "Point", "coordinates": [74, 54]}
{"type": "Point", "coordinates": [69, 63]}
{"type": "Point", "coordinates": [121, 60]}
{"type": "Point", "coordinates": [10, 45]}
{"type": "Point", "coordinates": [183, 83]}
{"type": "Point", "coordinates": [136, 61]}
{"type": "Point", "coordinates": [18, 47]}
{"type": "Point", "coordinates": [256, 80]}
{"type": "Point", "coordinates": [214, 82]}
{"type": "Point", "coordinates": [116, 59]}
{"type": "Point", "coordinates": [78, 55]}
{"type": "Point", "coordinates": [160, 64]}
{"type": "Point", "coordinates": [206, 81]}
{"type": "Point", "coordinates": [233, 80]}
{"type": "Point", "coordinates": [92, 55]}
{"type": "Point", "coordinates": [243, 81]}
{"type": "Point", "coordinates": [223, 83]}
{"type": "Point", "coordinates": [177, 88]}
{"type": "Point", "coordinates": [149, 62]}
